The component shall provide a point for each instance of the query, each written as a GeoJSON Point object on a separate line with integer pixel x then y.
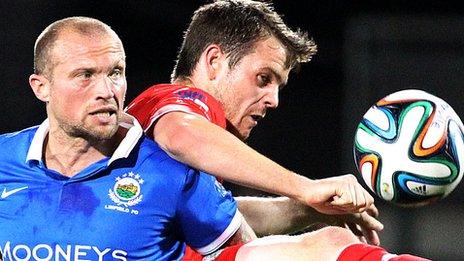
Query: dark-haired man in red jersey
{"type": "Point", "coordinates": [235, 58]}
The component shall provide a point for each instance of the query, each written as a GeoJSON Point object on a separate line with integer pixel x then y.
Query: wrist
{"type": "Point", "coordinates": [303, 188]}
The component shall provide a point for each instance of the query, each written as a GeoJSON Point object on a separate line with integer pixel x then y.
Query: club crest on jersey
{"type": "Point", "coordinates": [126, 190]}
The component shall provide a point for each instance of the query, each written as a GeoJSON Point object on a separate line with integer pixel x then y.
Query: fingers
{"type": "Point", "coordinates": [357, 205]}
{"type": "Point", "coordinates": [358, 199]}
{"type": "Point", "coordinates": [372, 236]}
{"type": "Point", "coordinates": [372, 211]}
{"type": "Point", "coordinates": [340, 195]}
{"type": "Point", "coordinates": [369, 227]}
{"type": "Point", "coordinates": [364, 234]}
{"type": "Point", "coordinates": [369, 222]}
{"type": "Point", "coordinates": [364, 219]}
{"type": "Point", "coordinates": [351, 196]}
{"type": "Point", "coordinates": [357, 231]}
{"type": "Point", "coordinates": [363, 225]}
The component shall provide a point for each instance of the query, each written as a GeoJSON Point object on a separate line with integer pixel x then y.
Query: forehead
{"type": "Point", "coordinates": [269, 50]}
{"type": "Point", "coordinates": [72, 46]}
{"type": "Point", "coordinates": [272, 47]}
{"type": "Point", "coordinates": [271, 54]}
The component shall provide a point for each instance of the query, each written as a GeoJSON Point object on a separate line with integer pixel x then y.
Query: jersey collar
{"type": "Point", "coordinates": [133, 135]}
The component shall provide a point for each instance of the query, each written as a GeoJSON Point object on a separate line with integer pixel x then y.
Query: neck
{"type": "Point", "coordinates": [69, 155]}
{"type": "Point", "coordinates": [198, 83]}
{"type": "Point", "coordinates": [186, 81]}
{"type": "Point", "coordinates": [192, 81]}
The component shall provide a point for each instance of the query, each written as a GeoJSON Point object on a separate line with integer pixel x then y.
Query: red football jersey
{"type": "Point", "coordinates": [163, 98]}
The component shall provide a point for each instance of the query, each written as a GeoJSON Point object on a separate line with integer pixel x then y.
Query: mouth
{"type": "Point", "coordinates": [257, 117]}
{"type": "Point", "coordinates": [104, 112]}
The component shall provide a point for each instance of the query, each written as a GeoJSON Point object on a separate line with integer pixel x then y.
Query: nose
{"type": "Point", "coordinates": [105, 88]}
{"type": "Point", "coordinates": [272, 98]}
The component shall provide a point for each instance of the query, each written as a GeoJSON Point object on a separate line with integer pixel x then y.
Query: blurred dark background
{"type": "Point", "coordinates": [367, 49]}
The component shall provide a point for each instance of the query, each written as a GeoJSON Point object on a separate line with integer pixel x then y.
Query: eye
{"type": "Point", "coordinates": [263, 80]}
{"type": "Point", "coordinates": [85, 74]}
{"type": "Point", "coordinates": [116, 74]}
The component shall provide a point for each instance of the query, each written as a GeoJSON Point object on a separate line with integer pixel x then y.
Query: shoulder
{"type": "Point", "coordinates": [19, 139]}
{"type": "Point", "coordinates": [165, 175]}
{"type": "Point", "coordinates": [161, 99]}
{"type": "Point", "coordinates": [15, 146]}
{"type": "Point", "coordinates": [160, 92]}
{"type": "Point", "coordinates": [157, 91]}
{"type": "Point", "coordinates": [150, 157]}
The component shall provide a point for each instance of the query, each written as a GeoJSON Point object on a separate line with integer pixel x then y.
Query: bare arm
{"type": "Point", "coordinates": [197, 142]}
{"type": "Point", "coordinates": [276, 216]}
{"type": "Point", "coordinates": [281, 215]}
{"type": "Point", "coordinates": [201, 144]}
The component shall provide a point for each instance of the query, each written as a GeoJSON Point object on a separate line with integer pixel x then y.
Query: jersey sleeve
{"type": "Point", "coordinates": [207, 213]}
{"type": "Point", "coordinates": [161, 99]}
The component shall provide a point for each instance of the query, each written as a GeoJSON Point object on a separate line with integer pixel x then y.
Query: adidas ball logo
{"type": "Point", "coordinates": [421, 190]}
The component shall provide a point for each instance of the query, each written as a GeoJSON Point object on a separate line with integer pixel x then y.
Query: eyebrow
{"type": "Point", "coordinates": [75, 71]}
{"type": "Point", "coordinates": [119, 64]}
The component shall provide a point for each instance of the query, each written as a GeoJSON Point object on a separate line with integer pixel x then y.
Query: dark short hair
{"type": "Point", "coordinates": [236, 25]}
{"type": "Point", "coordinates": [43, 62]}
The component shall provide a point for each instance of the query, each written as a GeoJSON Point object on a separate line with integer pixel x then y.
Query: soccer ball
{"type": "Point", "coordinates": [409, 148]}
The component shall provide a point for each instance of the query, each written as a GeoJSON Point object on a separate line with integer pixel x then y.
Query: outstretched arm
{"type": "Point", "coordinates": [281, 215]}
{"type": "Point", "coordinates": [197, 142]}
{"type": "Point", "coordinates": [276, 216]}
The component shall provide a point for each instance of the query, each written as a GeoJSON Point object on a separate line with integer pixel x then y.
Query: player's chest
{"type": "Point", "coordinates": [105, 216]}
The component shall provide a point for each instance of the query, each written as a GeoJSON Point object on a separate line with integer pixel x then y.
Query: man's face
{"type": "Point", "coordinates": [87, 86]}
{"type": "Point", "coordinates": [252, 86]}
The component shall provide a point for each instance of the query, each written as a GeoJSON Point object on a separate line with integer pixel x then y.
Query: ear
{"type": "Point", "coordinates": [40, 86]}
{"type": "Point", "coordinates": [215, 60]}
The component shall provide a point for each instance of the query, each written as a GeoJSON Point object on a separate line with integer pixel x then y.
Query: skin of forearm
{"type": "Point", "coordinates": [280, 215]}
{"type": "Point", "coordinates": [197, 142]}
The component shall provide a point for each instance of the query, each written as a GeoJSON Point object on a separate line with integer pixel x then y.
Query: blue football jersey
{"type": "Point", "coordinates": [138, 204]}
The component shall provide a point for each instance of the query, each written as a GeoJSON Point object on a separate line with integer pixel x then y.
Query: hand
{"type": "Point", "coordinates": [364, 225]}
{"type": "Point", "coordinates": [338, 195]}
